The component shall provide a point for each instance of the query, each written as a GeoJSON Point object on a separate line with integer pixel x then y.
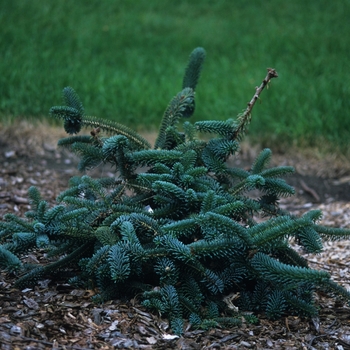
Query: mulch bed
{"type": "Point", "coordinates": [57, 316]}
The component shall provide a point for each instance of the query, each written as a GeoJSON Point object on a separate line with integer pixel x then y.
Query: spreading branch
{"type": "Point", "coordinates": [245, 117]}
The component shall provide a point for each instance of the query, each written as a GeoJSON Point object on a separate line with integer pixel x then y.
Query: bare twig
{"type": "Point", "coordinates": [244, 118]}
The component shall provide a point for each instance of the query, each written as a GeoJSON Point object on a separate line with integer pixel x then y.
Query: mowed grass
{"type": "Point", "coordinates": [126, 61]}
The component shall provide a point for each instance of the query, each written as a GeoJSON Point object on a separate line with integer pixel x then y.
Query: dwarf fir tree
{"type": "Point", "coordinates": [177, 224]}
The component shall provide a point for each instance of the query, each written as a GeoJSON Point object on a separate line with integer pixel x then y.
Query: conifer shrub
{"type": "Point", "coordinates": [177, 225]}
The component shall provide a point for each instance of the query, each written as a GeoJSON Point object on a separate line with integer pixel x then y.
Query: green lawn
{"type": "Point", "coordinates": [126, 60]}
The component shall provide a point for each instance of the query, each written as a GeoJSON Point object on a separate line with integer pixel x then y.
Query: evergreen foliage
{"type": "Point", "coordinates": [178, 223]}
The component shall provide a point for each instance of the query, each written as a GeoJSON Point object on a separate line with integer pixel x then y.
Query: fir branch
{"type": "Point", "coordinates": [213, 282]}
{"type": "Point", "coordinates": [96, 260]}
{"type": "Point", "coordinates": [71, 98]}
{"type": "Point", "coordinates": [301, 306]}
{"type": "Point", "coordinates": [177, 249]}
{"type": "Point", "coordinates": [245, 118]}
{"type": "Point", "coordinates": [275, 228]}
{"type": "Point", "coordinates": [23, 240]}
{"type": "Point", "coordinates": [213, 163]}
{"type": "Point", "coordinates": [169, 189]}
{"type": "Point", "coordinates": [189, 130]}
{"type": "Point", "coordinates": [289, 256]}
{"type": "Point", "coordinates": [71, 116]}
{"type": "Point", "coordinates": [216, 248]}
{"type": "Point", "coordinates": [14, 224]}
{"type": "Point", "coordinates": [285, 275]}
{"type": "Point", "coordinates": [91, 156]}
{"type": "Point", "coordinates": [277, 187]}
{"type": "Point", "coordinates": [168, 270]}
{"type": "Point", "coordinates": [152, 157]}
{"type": "Point", "coordinates": [223, 128]}
{"type": "Point", "coordinates": [239, 173]}
{"type": "Point", "coordinates": [181, 227]}
{"type": "Point", "coordinates": [195, 145]}
{"type": "Point", "coordinates": [180, 106]}
{"type": "Point", "coordinates": [194, 68]}
{"type": "Point", "coordinates": [277, 171]}
{"type": "Point", "coordinates": [223, 148]}
{"type": "Point", "coordinates": [310, 240]}
{"type": "Point", "coordinates": [261, 161]}
{"type": "Point", "coordinates": [119, 263]}
{"type": "Point", "coordinates": [191, 290]}
{"type": "Point", "coordinates": [8, 260]}
{"type": "Point", "coordinates": [34, 197]}
{"type": "Point", "coordinates": [276, 305]}
{"type": "Point", "coordinates": [106, 236]}
{"type": "Point", "coordinates": [111, 126]}
{"type": "Point", "coordinates": [332, 233]}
